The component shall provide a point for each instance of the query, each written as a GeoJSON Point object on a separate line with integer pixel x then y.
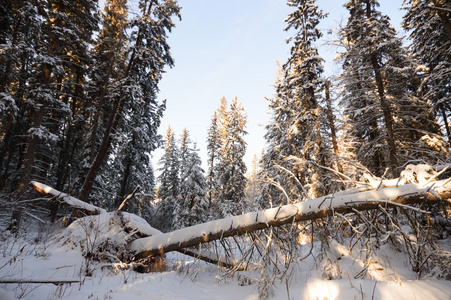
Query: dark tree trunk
{"type": "Point", "coordinates": [31, 152]}
{"type": "Point", "coordinates": [445, 120]}
{"type": "Point", "coordinates": [388, 120]}
{"type": "Point", "coordinates": [331, 121]}
{"type": "Point", "coordinates": [111, 127]}
{"type": "Point", "coordinates": [124, 182]}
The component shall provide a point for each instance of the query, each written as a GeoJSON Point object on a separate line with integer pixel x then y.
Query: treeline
{"type": "Point", "coordinates": [186, 195]}
{"type": "Point", "coordinates": [78, 89]}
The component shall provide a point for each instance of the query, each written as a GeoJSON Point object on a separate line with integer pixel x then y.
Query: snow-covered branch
{"type": "Point", "coordinates": [74, 202]}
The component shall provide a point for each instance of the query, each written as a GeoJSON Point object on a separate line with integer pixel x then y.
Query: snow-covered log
{"type": "Point", "coordinates": [308, 210]}
{"type": "Point", "coordinates": [40, 281]}
{"type": "Point", "coordinates": [74, 202]}
{"type": "Point", "coordinates": [133, 223]}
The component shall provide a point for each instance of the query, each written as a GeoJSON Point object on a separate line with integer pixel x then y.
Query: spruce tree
{"type": "Point", "coordinates": [213, 146]}
{"type": "Point", "coordinates": [192, 203]}
{"type": "Point", "coordinates": [147, 55]}
{"type": "Point", "coordinates": [430, 33]}
{"type": "Point", "coordinates": [169, 181]}
{"type": "Point", "coordinates": [22, 24]}
{"type": "Point", "coordinates": [379, 99]}
{"type": "Point", "coordinates": [297, 148]}
{"type": "Point", "coordinates": [55, 88]}
{"type": "Point", "coordinates": [232, 179]}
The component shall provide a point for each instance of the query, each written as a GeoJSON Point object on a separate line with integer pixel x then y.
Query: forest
{"type": "Point", "coordinates": [353, 190]}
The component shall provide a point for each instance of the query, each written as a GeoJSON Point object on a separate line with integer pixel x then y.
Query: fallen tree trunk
{"type": "Point", "coordinates": [308, 210]}
{"type": "Point", "coordinates": [39, 281]}
{"type": "Point", "coordinates": [143, 230]}
{"type": "Point", "coordinates": [72, 201]}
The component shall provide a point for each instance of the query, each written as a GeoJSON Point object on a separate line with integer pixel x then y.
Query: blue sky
{"type": "Point", "coordinates": [229, 49]}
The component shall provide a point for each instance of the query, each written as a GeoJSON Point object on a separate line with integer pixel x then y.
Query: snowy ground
{"type": "Point", "coordinates": [42, 254]}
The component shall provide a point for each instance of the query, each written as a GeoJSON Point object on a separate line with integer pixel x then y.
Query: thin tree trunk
{"type": "Point", "coordinates": [124, 182]}
{"type": "Point", "coordinates": [388, 120]}
{"type": "Point", "coordinates": [393, 162]}
{"type": "Point", "coordinates": [445, 120]}
{"type": "Point", "coordinates": [31, 152]}
{"type": "Point", "coordinates": [333, 131]}
{"type": "Point", "coordinates": [98, 113]}
{"type": "Point", "coordinates": [103, 150]}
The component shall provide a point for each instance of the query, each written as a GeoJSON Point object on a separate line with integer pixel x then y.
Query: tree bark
{"type": "Point", "coordinates": [331, 121]}
{"type": "Point", "coordinates": [31, 151]}
{"type": "Point", "coordinates": [74, 202]}
{"type": "Point", "coordinates": [288, 214]}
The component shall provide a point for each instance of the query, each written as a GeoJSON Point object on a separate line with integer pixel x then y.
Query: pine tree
{"type": "Point", "coordinates": [65, 33]}
{"type": "Point", "coordinates": [109, 54]}
{"type": "Point", "coordinates": [22, 25]}
{"type": "Point", "coordinates": [146, 58]}
{"type": "Point", "coordinates": [215, 140]}
{"type": "Point", "coordinates": [254, 182]}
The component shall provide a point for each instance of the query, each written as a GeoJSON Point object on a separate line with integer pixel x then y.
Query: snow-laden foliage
{"type": "Point", "coordinates": [226, 149]}
{"type": "Point", "coordinates": [296, 128]}
{"type": "Point", "coordinates": [430, 34]}
{"type": "Point", "coordinates": [192, 205]}
{"type": "Point", "coordinates": [386, 114]}
{"type": "Point", "coordinates": [78, 90]}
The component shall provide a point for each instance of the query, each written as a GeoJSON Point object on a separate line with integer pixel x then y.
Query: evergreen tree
{"type": "Point", "coordinates": [215, 139]}
{"type": "Point", "coordinates": [192, 204]}
{"type": "Point", "coordinates": [109, 54]}
{"type": "Point", "coordinates": [430, 32]}
{"type": "Point", "coordinates": [213, 146]}
{"type": "Point", "coordinates": [231, 179]}
{"type": "Point", "coordinates": [379, 81]}
{"type": "Point", "coordinates": [137, 83]}
{"type": "Point", "coordinates": [254, 182]}
{"type": "Point", "coordinates": [297, 148]}
{"type": "Point", "coordinates": [169, 181]}
{"type": "Point", "coordinates": [22, 24]}
{"type": "Point", "coordinates": [169, 178]}
{"type": "Point", "coordinates": [58, 75]}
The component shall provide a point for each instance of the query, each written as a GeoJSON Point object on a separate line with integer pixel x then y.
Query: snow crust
{"type": "Point", "coordinates": [389, 277]}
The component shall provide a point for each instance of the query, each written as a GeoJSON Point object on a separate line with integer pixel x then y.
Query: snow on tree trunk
{"type": "Point", "coordinates": [308, 210]}
{"type": "Point", "coordinates": [77, 203]}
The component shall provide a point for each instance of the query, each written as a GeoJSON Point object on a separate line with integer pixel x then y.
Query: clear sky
{"type": "Point", "coordinates": [229, 48]}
